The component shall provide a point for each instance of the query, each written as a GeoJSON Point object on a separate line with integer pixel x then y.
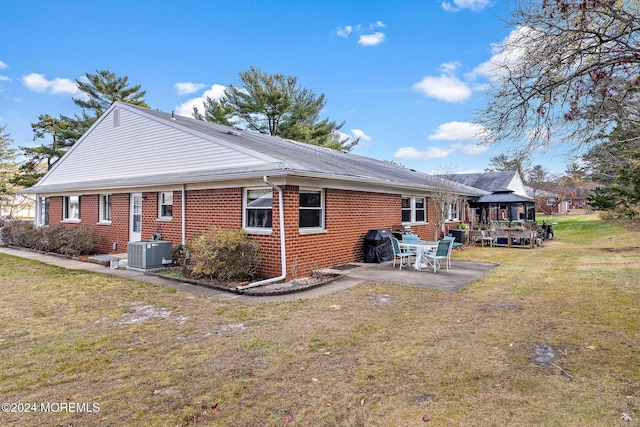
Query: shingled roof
{"type": "Point", "coordinates": [259, 155]}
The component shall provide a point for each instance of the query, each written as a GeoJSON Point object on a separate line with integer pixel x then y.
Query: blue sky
{"type": "Point", "coordinates": [404, 76]}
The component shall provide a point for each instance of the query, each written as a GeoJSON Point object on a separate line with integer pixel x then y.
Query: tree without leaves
{"type": "Point", "coordinates": [569, 70]}
{"type": "Point", "coordinates": [277, 105]}
{"type": "Point", "coordinates": [538, 179]}
{"type": "Point", "coordinates": [443, 196]}
{"type": "Point", "coordinates": [8, 168]}
{"type": "Point", "coordinates": [7, 157]}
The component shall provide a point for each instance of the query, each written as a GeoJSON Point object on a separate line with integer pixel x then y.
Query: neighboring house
{"type": "Point", "coordinates": [548, 202]}
{"type": "Point", "coordinates": [508, 200]}
{"type": "Point", "coordinates": [17, 207]}
{"type": "Point", "coordinates": [561, 200]}
{"type": "Point", "coordinates": [138, 171]}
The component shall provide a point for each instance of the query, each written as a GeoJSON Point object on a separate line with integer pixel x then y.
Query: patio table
{"type": "Point", "coordinates": [421, 247]}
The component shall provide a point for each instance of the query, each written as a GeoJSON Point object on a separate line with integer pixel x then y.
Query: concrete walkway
{"type": "Point", "coordinates": [462, 273]}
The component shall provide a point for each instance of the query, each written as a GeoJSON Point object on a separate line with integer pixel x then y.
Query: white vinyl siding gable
{"type": "Point", "coordinates": [141, 146]}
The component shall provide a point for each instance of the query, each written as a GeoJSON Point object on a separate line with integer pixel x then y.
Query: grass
{"type": "Point", "coordinates": [375, 355]}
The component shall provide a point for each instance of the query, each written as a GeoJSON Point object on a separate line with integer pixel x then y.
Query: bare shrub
{"type": "Point", "coordinates": [20, 233]}
{"type": "Point", "coordinates": [72, 241]}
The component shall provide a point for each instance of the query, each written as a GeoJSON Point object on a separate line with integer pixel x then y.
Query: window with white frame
{"type": "Point", "coordinates": [165, 204]}
{"type": "Point", "coordinates": [414, 209]}
{"type": "Point", "coordinates": [311, 208]}
{"type": "Point", "coordinates": [71, 208]}
{"type": "Point", "coordinates": [551, 201]}
{"type": "Point", "coordinates": [453, 211]}
{"type": "Point", "coordinates": [105, 208]}
{"type": "Point", "coordinates": [43, 211]}
{"type": "Point", "coordinates": [258, 207]}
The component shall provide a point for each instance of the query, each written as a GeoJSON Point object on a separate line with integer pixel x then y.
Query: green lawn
{"type": "Point", "coordinates": [375, 355]}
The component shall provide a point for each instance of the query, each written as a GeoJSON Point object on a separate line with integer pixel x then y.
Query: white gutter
{"type": "Point", "coordinates": [184, 219]}
{"type": "Point", "coordinates": [283, 254]}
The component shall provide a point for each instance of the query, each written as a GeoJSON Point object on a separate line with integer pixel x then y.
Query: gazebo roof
{"type": "Point", "coordinates": [503, 197]}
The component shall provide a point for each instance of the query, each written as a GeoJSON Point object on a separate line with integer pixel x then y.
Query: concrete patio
{"type": "Point", "coordinates": [352, 274]}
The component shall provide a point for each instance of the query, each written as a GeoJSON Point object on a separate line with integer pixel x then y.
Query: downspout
{"type": "Point", "coordinates": [184, 212]}
{"type": "Point", "coordinates": [283, 254]}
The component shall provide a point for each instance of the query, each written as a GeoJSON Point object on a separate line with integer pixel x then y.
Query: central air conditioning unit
{"type": "Point", "coordinates": [148, 255]}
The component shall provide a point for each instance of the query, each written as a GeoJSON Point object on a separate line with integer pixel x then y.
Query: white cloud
{"type": "Point", "coordinates": [429, 153]}
{"type": "Point", "coordinates": [451, 131]}
{"type": "Point", "coordinates": [371, 39]}
{"type": "Point", "coordinates": [360, 134]}
{"type": "Point", "coordinates": [3, 65]}
{"type": "Point", "coordinates": [4, 78]}
{"type": "Point", "coordinates": [471, 149]}
{"type": "Point", "coordinates": [458, 131]}
{"type": "Point", "coordinates": [64, 86]}
{"type": "Point", "coordinates": [449, 68]}
{"type": "Point", "coordinates": [344, 31]}
{"type": "Point", "coordinates": [444, 87]}
{"type": "Point", "coordinates": [36, 82]}
{"type": "Point", "coordinates": [185, 88]}
{"type": "Point", "coordinates": [457, 5]}
{"type": "Point", "coordinates": [39, 83]}
{"type": "Point", "coordinates": [186, 108]}
{"type": "Point", "coordinates": [505, 55]}
{"type": "Point", "coordinates": [436, 152]}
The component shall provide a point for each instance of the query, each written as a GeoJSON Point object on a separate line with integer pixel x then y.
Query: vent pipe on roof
{"type": "Point", "coordinates": [283, 253]}
{"type": "Point", "coordinates": [172, 116]}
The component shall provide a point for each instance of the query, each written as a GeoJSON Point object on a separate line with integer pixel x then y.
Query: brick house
{"type": "Point", "coordinates": [139, 171]}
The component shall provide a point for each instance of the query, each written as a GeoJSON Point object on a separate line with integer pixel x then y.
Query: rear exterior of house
{"type": "Point", "coordinates": [137, 172]}
{"type": "Point", "coordinates": [348, 215]}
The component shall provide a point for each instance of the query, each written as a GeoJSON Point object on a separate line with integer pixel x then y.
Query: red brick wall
{"type": "Point", "coordinates": [348, 217]}
{"type": "Point", "coordinates": [55, 210]}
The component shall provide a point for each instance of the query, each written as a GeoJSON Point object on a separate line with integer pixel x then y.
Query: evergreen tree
{"type": "Point", "coordinates": [104, 88]}
{"type": "Point", "coordinates": [277, 105]}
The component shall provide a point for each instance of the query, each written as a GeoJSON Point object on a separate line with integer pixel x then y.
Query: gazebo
{"type": "Point", "coordinates": [502, 205]}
